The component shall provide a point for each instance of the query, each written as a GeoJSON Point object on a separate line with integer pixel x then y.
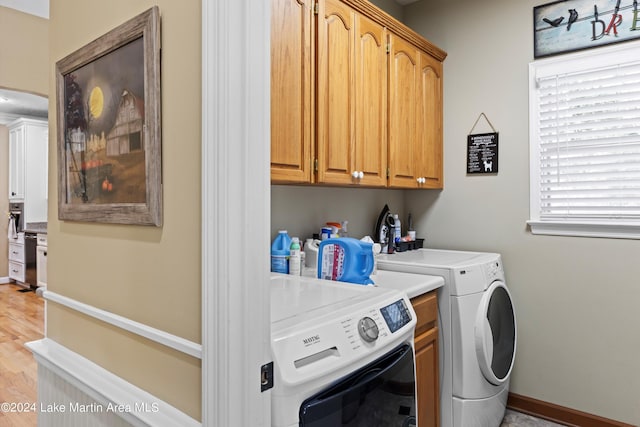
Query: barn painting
{"type": "Point", "coordinates": [109, 130]}
{"type": "Point", "coordinates": [105, 113]}
{"type": "Point", "coordinates": [126, 135]}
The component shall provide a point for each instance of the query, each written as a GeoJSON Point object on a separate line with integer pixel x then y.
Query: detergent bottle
{"type": "Point", "coordinates": [345, 259]}
{"type": "Point", "coordinates": [280, 252]}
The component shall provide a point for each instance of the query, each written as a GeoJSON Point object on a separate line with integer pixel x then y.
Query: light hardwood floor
{"type": "Point", "coordinates": [21, 321]}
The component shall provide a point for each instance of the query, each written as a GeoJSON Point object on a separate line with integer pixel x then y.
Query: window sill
{"type": "Point", "coordinates": [584, 229]}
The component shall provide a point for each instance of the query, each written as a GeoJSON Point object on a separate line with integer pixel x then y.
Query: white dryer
{"type": "Point", "coordinates": [478, 330]}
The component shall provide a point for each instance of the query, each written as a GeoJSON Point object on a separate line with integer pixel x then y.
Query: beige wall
{"type": "Point", "coordinates": [24, 59]}
{"type": "Point", "coordinates": [150, 275]}
{"type": "Point", "coordinates": [391, 7]}
{"type": "Point", "coordinates": [576, 299]}
{"type": "Point", "coordinates": [302, 210]}
{"type": "Point", "coordinates": [24, 52]}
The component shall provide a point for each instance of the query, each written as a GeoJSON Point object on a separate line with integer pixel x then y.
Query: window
{"type": "Point", "coordinates": [585, 143]}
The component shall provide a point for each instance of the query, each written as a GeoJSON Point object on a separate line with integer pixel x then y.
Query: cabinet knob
{"type": "Point", "coordinates": [360, 175]}
{"type": "Point", "coordinates": [355, 174]}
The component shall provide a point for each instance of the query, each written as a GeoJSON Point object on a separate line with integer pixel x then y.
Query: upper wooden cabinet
{"type": "Point", "coordinates": [415, 117]}
{"type": "Point", "coordinates": [352, 102]}
{"type": "Point", "coordinates": [291, 90]}
{"type": "Point", "coordinates": [404, 82]}
{"type": "Point", "coordinates": [351, 98]}
{"type": "Point", "coordinates": [429, 137]}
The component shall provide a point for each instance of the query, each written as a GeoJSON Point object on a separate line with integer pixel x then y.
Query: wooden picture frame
{"type": "Point", "coordinates": [570, 25]}
{"type": "Point", "coordinates": [109, 127]}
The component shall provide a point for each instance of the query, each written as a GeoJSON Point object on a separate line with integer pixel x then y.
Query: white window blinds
{"type": "Point", "coordinates": [585, 138]}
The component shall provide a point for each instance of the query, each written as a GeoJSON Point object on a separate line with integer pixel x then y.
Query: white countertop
{"type": "Point", "coordinates": [412, 284]}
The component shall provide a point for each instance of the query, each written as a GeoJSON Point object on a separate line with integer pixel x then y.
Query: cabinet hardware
{"type": "Point", "coordinates": [316, 9]}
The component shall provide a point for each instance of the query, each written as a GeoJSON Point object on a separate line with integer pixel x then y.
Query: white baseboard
{"type": "Point", "coordinates": [73, 391]}
{"type": "Point", "coordinates": [4, 280]}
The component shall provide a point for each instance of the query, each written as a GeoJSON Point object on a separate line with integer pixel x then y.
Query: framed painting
{"type": "Point", "coordinates": [570, 25]}
{"type": "Point", "coordinates": [108, 127]}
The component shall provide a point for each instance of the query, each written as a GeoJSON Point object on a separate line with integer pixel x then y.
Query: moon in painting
{"type": "Point", "coordinates": [96, 102]}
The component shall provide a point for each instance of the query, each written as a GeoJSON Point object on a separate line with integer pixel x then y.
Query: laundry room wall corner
{"type": "Point", "coordinates": [559, 284]}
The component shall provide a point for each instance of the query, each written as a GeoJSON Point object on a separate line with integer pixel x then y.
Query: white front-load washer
{"type": "Point", "coordinates": [478, 331]}
{"type": "Point", "coordinates": [343, 355]}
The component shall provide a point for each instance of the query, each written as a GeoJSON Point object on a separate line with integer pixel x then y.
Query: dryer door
{"type": "Point", "coordinates": [495, 333]}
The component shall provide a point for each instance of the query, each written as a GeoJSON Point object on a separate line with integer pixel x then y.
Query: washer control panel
{"type": "Point", "coordinates": [396, 315]}
{"type": "Point", "coordinates": [317, 347]}
{"type": "Point", "coordinates": [368, 329]}
{"type": "Point", "coordinates": [494, 270]}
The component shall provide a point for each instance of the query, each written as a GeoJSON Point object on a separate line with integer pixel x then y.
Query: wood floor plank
{"type": "Point", "coordinates": [21, 321]}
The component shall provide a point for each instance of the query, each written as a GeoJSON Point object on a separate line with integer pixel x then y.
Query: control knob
{"type": "Point", "coordinates": [368, 329]}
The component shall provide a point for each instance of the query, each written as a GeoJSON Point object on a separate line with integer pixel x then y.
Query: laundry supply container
{"type": "Point", "coordinates": [345, 259]}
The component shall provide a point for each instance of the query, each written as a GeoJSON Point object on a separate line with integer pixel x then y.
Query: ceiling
{"type": "Point", "coordinates": [405, 2]}
{"type": "Point", "coordinates": [34, 7]}
{"type": "Point", "coordinates": [14, 105]}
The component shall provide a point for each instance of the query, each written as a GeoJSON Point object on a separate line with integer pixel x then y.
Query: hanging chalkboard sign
{"type": "Point", "coordinates": [482, 153]}
{"type": "Point", "coordinates": [482, 150]}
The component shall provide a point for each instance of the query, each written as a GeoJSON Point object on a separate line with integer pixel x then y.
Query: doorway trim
{"type": "Point", "coordinates": [235, 211]}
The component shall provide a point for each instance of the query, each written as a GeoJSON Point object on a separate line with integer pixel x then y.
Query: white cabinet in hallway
{"type": "Point", "coordinates": [16, 258]}
{"type": "Point", "coordinates": [28, 165]}
{"type": "Point", "coordinates": [41, 260]}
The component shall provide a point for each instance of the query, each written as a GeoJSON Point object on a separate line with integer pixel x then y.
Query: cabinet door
{"type": "Point", "coordinates": [41, 265]}
{"type": "Point", "coordinates": [16, 271]}
{"type": "Point", "coordinates": [16, 163]}
{"type": "Point", "coordinates": [36, 171]}
{"type": "Point", "coordinates": [426, 347]}
{"type": "Point", "coordinates": [291, 91]}
{"type": "Point", "coordinates": [16, 252]}
{"type": "Point", "coordinates": [335, 92]}
{"type": "Point", "coordinates": [404, 100]}
{"type": "Point", "coordinates": [429, 135]}
{"type": "Point", "coordinates": [371, 102]}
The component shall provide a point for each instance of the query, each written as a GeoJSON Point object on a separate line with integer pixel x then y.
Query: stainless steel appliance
{"type": "Point", "coordinates": [30, 244]}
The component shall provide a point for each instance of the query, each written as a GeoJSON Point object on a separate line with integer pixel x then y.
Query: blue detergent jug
{"type": "Point", "coordinates": [345, 259]}
{"type": "Point", "coordinates": [280, 252]}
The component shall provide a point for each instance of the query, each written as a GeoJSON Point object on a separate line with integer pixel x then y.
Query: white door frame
{"type": "Point", "coordinates": [235, 211]}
